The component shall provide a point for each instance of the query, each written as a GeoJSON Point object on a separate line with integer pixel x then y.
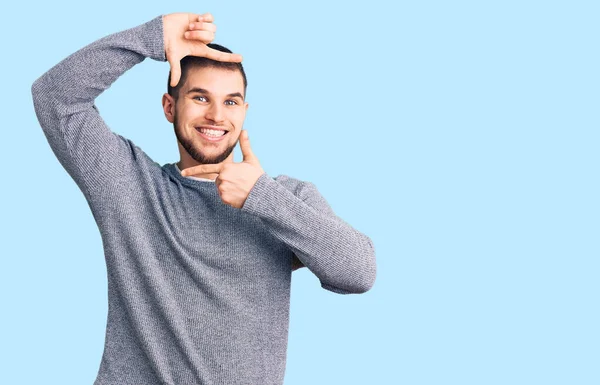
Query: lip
{"type": "Point", "coordinates": [210, 138]}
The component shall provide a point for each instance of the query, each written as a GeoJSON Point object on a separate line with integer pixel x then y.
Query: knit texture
{"type": "Point", "coordinates": [198, 291]}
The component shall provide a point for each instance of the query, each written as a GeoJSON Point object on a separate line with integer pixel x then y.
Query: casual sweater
{"type": "Point", "coordinates": [198, 291]}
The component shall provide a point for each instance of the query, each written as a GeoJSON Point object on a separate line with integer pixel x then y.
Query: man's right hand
{"type": "Point", "coordinates": [187, 34]}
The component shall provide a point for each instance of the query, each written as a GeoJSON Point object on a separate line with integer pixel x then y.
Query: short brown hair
{"type": "Point", "coordinates": [202, 62]}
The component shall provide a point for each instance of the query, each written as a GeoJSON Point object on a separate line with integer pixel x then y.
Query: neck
{"type": "Point", "coordinates": [187, 162]}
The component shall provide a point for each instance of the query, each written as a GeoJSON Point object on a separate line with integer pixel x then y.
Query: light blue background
{"type": "Point", "coordinates": [462, 137]}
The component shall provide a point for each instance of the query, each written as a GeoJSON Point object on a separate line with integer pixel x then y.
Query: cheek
{"type": "Point", "coordinates": [196, 110]}
{"type": "Point", "coordinates": [193, 109]}
{"type": "Point", "coordinates": [237, 118]}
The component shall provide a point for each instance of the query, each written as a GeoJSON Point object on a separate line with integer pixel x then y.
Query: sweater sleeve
{"type": "Point", "coordinates": [64, 96]}
{"type": "Point", "coordinates": [340, 256]}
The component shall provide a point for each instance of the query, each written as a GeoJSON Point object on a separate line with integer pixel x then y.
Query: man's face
{"type": "Point", "coordinates": [213, 99]}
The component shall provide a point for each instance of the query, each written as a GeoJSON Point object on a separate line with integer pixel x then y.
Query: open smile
{"type": "Point", "coordinates": [212, 133]}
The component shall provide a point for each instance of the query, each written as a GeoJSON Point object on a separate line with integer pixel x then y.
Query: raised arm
{"type": "Point", "coordinates": [63, 97]}
{"type": "Point", "coordinates": [340, 256]}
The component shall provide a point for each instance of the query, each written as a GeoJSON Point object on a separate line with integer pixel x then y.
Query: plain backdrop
{"type": "Point", "coordinates": [461, 136]}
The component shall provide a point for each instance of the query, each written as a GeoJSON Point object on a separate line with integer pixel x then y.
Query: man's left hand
{"type": "Point", "coordinates": [235, 180]}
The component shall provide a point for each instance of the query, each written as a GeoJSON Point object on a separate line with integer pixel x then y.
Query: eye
{"type": "Point", "coordinates": [233, 102]}
{"type": "Point", "coordinates": [200, 96]}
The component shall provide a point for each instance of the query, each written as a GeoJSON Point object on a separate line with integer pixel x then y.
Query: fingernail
{"type": "Point", "coordinates": [191, 25]}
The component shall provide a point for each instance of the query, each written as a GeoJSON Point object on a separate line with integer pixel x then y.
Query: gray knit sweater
{"type": "Point", "coordinates": [198, 291]}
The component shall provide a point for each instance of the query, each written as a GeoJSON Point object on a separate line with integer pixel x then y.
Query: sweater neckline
{"type": "Point", "coordinates": [192, 177]}
{"type": "Point", "coordinates": [188, 180]}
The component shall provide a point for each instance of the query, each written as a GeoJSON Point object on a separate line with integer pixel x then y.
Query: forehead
{"type": "Point", "coordinates": [217, 81]}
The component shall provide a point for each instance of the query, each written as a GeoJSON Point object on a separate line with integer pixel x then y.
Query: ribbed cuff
{"type": "Point", "coordinates": [153, 38]}
{"type": "Point", "coordinates": [263, 185]}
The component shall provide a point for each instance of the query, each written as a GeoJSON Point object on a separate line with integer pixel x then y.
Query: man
{"type": "Point", "coordinates": [199, 266]}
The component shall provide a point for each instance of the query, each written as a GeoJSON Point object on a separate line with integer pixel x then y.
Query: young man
{"type": "Point", "coordinates": [199, 266]}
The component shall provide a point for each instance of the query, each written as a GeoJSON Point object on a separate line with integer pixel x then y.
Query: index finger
{"type": "Point", "coordinates": [214, 54]}
{"type": "Point", "coordinates": [202, 169]}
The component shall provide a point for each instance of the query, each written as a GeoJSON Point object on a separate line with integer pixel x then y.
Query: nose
{"type": "Point", "coordinates": [215, 113]}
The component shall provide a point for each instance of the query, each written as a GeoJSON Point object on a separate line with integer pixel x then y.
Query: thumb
{"type": "Point", "coordinates": [175, 72]}
{"type": "Point", "coordinates": [245, 146]}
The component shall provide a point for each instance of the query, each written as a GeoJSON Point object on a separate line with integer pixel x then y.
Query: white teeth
{"type": "Point", "coordinates": [209, 132]}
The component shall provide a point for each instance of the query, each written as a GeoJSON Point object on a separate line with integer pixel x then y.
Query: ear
{"type": "Point", "coordinates": [246, 106]}
{"type": "Point", "coordinates": [168, 104]}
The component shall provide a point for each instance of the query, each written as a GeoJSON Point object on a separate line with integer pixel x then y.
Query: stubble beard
{"type": "Point", "coordinates": [195, 152]}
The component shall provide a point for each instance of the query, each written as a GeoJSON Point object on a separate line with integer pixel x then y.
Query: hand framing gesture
{"type": "Point", "coordinates": [235, 180]}
{"type": "Point", "coordinates": [187, 34]}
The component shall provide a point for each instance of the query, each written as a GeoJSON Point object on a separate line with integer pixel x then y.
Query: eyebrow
{"type": "Point", "coordinates": [203, 91]}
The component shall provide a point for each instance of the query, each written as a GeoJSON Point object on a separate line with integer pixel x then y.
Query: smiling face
{"type": "Point", "coordinates": [211, 101]}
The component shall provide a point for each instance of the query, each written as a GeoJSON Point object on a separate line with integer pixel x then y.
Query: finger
{"type": "Point", "coordinates": [175, 72]}
{"type": "Point", "coordinates": [245, 146]}
{"type": "Point", "coordinates": [207, 17]}
{"type": "Point", "coordinates": [204, 36]}
{"type": "Point", "coordinates": [222, 56]}
{"type": "Point", "coordinates": [200, 26]}
{"type": "Point", "coordinates": [202, 169]}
